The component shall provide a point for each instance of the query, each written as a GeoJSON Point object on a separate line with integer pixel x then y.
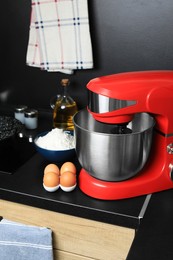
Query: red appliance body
{"type": "Point", "coordinates": [152, 92]}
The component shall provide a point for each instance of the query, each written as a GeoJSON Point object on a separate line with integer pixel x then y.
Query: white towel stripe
{"type": "Point", "coordinates": [19, 244]}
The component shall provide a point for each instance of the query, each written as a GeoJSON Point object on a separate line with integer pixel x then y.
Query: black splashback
{"type": "Point", "coordinates": [126, 35]}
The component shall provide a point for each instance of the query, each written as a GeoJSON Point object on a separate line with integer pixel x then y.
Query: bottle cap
{"type": "Point", "coordinates": [20, 108]}
{"type": "Point", "coordinates": [31, 113]}
{"type": "Point", "coordinates": [65, 82]}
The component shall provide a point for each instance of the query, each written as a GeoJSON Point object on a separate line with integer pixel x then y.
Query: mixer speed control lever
{"type": "Point", "coordinates": [170, 148]}
{"type": "Point", "coordinates": [170, 151]}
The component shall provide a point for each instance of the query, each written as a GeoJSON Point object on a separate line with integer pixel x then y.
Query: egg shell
{"type": "Point", "coordinates": [68, 189]}
{"type": "Point", "coordinates": [67, 179]}
{"type": "Point", "coordinates": [68, 167]}
{"type": "Point", "coordinates": [52, 168]}
{"type": "Point", "coordinates": [51, 189]}
{"type": "Point", "coordinates": [51, 179]}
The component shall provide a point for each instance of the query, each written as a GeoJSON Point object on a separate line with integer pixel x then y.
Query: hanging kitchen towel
{"type": "Point", "coordinates": [24, 242]}
{"type": "Point", "coordinates": [59, 36]}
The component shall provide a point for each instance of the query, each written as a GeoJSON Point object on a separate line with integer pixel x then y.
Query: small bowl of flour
{"type": "Point", "coordinates": [56, 145]}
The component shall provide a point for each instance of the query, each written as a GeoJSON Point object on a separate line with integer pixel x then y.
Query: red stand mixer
{"type": "Point", "coordinates": [128, 128]}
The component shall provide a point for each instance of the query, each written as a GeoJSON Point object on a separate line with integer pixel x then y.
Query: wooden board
{"type": "Point", "coordinates": [73, 237]}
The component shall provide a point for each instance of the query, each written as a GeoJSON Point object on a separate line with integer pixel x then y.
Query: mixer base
{"type": "Point", "coordinates": [145, 183]}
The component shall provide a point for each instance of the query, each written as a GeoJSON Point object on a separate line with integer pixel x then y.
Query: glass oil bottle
{"type": "Point", "coordinates": [64, 108]}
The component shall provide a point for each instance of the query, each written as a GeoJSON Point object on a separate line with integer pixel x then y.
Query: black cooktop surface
{"type": "Point", "coordinates": [17, 150]}
{"type": "Point", "coordinates": [14, 152]}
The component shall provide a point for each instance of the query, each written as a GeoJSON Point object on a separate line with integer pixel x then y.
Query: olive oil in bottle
{"type": "Point", "coordinates": [64, 108]}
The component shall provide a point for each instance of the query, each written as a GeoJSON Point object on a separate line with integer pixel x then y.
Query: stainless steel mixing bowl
{"type": "Point", "coordinates": [112, 157]}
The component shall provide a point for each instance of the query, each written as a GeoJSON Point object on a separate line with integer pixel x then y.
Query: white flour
{"type": "Point", "coordinates": [56, 139]}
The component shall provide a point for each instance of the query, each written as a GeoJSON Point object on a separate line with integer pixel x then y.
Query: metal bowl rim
{"type": "Point", "coordinates": [111, 134]}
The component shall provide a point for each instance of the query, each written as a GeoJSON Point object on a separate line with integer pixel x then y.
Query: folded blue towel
{"type": "Point", "coordinates": [24, 242]}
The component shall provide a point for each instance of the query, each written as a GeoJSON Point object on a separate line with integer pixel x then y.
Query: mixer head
{"type": "Point", "coordinates": [115, 99]}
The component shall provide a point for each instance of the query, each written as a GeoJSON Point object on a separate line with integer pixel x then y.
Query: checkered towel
{"type": "Point", "coordinates": [59, 36]}
{"type": "Point", "coordinates": [24, 242]}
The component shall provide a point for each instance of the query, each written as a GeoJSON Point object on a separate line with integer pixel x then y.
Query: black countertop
{"type": "Point", "coordinates": [25, 186]}
{"type": "Point", "coordinates": [149, 215]}
{"type": "Point", "coordinates": [154, 238]}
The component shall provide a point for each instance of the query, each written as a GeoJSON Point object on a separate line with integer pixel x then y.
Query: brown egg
{"type": "Point", "coordinates": [51, 179]}
{"type": "Point", "coordinates": [52, 168]}
{"type": "Point", "coordinates": [67, 179]}
{"type": "Point", "coordinates": [68, 167]}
